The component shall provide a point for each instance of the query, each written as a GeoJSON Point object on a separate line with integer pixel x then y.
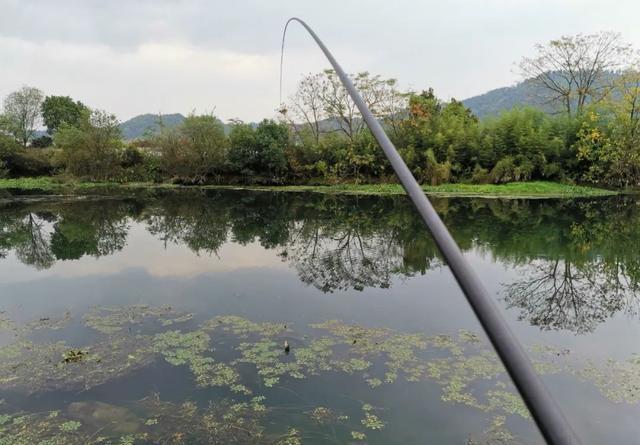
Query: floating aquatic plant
{"type": "Point", "coordinates": [243, 327]}
{"type": "Point", "coordinates": [224, 422]}
{"type": "Point", "coordinates": [189, 349]}
{"type": "Point", "coordinates": [326, 416]}
{"type": "Point", "coordinates": [36, 367]}
{"type": "Point", "coordinates": [370, 420]}
{"type": "Point", "coordinates": [110, 320]}
{"type": "Point", "coordinates": [464, 366]}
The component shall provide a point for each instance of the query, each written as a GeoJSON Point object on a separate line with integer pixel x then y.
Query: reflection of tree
{"type": "Point", "coordinates": [594, 272]}
{"type": "Point", "coordinates": [33, 248]}
{"type": "Point", "coordinates": [561, 295]}
{"type": "Point", "coordinates": [42, 233]}
{"type": "Point", "coordinates": [197, 223]}
{"type": "Point", "coordinates": [346, 242]}
{"type": "Point", "coordinates": [90, 230]}
{"type": "Point", "coordinates": [343, 260]}
{"type": "Point", "coordinates": [355, 242]}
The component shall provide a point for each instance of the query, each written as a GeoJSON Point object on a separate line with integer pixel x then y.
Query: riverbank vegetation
{"type": "Point", "coordinates": [319, 137]}
{"type": "Point", "coordinates": [532, 189]}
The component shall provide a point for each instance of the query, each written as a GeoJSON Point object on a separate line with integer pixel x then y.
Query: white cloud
{"type": "Point", "coordinates": [173, 56]}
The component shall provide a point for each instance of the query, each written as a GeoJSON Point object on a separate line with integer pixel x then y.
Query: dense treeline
{"type": "Point", "coordinates": [319, 135]}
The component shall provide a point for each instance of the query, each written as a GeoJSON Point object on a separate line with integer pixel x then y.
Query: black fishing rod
{"type": "Point", "coordinates": [544, 409]}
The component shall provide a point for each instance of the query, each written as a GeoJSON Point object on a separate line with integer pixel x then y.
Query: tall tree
{"type": "Point", "coordinates": [575, 70]}
{"type": "Point", "coordinates": [22, 113]}
{"type": "Point", "coordinates": [307, 107]}
{"type": "Point", "coordinates": [379, 94]}
{"type": "Point", "coordinates": [62, 110]}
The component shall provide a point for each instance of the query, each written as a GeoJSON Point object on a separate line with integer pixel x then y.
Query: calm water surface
{"type": "Point", "coordinates": [162, 319]}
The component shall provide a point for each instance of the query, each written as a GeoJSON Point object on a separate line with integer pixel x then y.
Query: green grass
{"type": "Point", "coordinates": [534, 189]}
{"type": "Point", "coordinates": [49, 184]}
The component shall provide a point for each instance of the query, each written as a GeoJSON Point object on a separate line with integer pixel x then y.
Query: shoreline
{"type": "Point", "coordinates": [29, 187]}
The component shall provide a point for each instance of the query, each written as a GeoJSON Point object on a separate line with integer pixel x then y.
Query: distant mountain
{"type": "Point", "coordinates": [146, 124]}
{"type": "Point", "coordinates": [149, 124]}
{"type": "Point", "coordinates": [523, 94]}
{"type": "Point", "coordinates": [496, 101]}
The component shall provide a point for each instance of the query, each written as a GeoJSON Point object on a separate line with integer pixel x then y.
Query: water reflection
{"type": "Point", "coordinates": [576, 260]}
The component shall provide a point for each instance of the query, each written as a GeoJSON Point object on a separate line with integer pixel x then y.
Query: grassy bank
{"type": "Point", "coordinates": [534, 189]}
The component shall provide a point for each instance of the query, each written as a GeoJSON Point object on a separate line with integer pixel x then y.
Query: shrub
{"type": "Point", "coordinates": [42, 142]}
{"type": "Point", "coordinates": [130, 157]}
{"type": "Point", "coordinates": [92, 149]}
{"type": "Point", "coordinates": [503, 171]}
{"type": "Point", "coordinates": [30, 162]}
{"type": "Point", "coordinates": [195, 151]}
{"type": "Point", "coordinates": [260, 151]}
{"type": "Point", "coordinates": [480, 175]}
{"type": "Point", "coordinates": [435, 172]}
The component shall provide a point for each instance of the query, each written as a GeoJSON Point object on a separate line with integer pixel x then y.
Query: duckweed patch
{"type": "Point", "coordinates": [326, 416]}
{"type": "Point", "coordinates": [463, 365]}
{"type": "Point", "coordinates": [370, 420]}
{"type": "Point", "coordinates": [35, 367]}
{"type": "Point", "coordinates": [111, 320]}
{"type": "Point", "coordinates": [225, 422]}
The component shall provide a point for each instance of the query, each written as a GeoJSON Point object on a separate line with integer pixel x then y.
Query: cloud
{"type": "Point", "coordinates": [131, 57]}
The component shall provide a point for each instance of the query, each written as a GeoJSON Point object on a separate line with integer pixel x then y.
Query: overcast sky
{"type": "Point", "coordinates": [165, 56]}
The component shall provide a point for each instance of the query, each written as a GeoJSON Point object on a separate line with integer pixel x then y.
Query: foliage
{"type": "Point", "coordinates": [195, 151]}
{"type": "Point", "coordinates": [43, 141]}
{"type": "Point", "coordinates": [91, 150]}
{"type": "Point", "coordinates": [59, 111]}
{"type": "Point", "coordinates": [573, 70]}
{"type": "Point", "coordinates": [321, 138]}
{"type": "Point", "coordinates": [22, 113]}
{"type": "Point", "coordinates": [259, 151]}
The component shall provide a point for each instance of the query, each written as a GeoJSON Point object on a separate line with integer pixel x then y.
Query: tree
{"type": "Point", "coordinates": [195, 150]}
{"type": "Point", "coordinates": [609, 138]}
{"type": "Point", "coordinates": [307, 107]}
{"type": "Point", "coordinates": [61, 110]}
{"type": "Point", "coordinates": [260, 151]}
{"type": "Point", "coordinates": [22, 113]}
{"type": "Point", "coordinates": [92, 149]}
{"type": "Point", "coordinates": [322, 101]}
{"type": "Point", "coordinates": [272, 139]}
{"type": "Point", "coordinates": [576, 70]}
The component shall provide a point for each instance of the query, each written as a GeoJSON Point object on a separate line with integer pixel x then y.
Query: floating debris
{"type": "Point", "coordinates": [73, 356]}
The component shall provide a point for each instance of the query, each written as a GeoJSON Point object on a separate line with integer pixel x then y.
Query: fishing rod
{"type": "Point", "coordinates": [543, 408]}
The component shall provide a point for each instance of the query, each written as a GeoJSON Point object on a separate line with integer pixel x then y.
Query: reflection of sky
{"type": "Point", "coordinates": [431, 303]}
{"type": "Point", "coordinates": [146, 252]}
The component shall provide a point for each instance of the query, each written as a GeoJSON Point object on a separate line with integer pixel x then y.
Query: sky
{"type": "Point", "coordinates": [180, 56]}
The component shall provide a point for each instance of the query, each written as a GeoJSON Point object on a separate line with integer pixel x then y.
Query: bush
{"type": "Point", "coordinates": [511, 169]}
{"type": "Point", "coordinates": [195, 151]}
{"type": "Point", "coordinates": [436, 173]}
{"type": "Point", "coordinates": [480, 175]}
{"type": "Point", "coordinates": [42, 142]}
{"type": "Point", "coordinates": [260, 151]}
{"type": "Point", "coordinates": [30, 162]}
{"type": "Point", "coordinates": [130, 157]}
{"type": "Point", "coordinates": [91, 150]}
{"type": "Point", "coordinates": [503, 171]}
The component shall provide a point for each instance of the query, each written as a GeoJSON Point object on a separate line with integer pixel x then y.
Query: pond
{"type": "Point", "coordinates": [232, 317]}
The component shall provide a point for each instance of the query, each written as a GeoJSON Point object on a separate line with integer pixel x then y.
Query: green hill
{"type": "Point", "coordinates": [496, 101]}
{"type": "Point", "coordinates": [146, 124]}
{"type": "Point", "coordinates": [523, 94]}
